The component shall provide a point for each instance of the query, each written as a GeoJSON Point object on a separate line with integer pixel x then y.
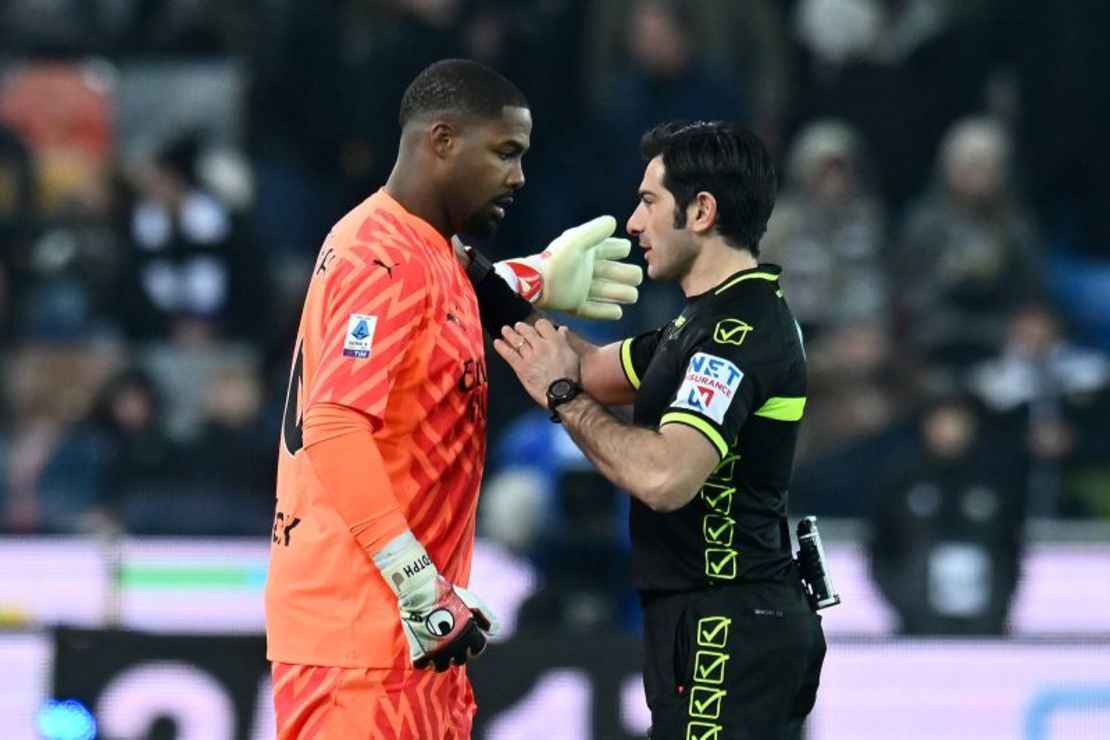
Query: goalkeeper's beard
{"type": "Point", "coordinates": [484, 223]}
{"type": "Point", "coordinates": [481, 224]}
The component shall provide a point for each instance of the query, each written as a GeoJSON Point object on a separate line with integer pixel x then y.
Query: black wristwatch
{"type": "Point", "coordinates": [559, 392]}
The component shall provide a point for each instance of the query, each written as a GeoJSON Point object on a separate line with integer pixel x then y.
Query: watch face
{"type": "Point", "coordinates": [561, 388]}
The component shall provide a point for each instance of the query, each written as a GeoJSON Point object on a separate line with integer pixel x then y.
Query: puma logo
{"type": "Point", "coordinates": [325, 261]}
{"type": "Point", "coordinates": [388, 268]}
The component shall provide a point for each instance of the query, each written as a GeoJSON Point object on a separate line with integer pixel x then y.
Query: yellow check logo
{"type": "Point", "coordinates": [713, 631]}
{"type": "Point", "coordinates": [725, 469]}
{"type": "Point", "coordinates": [702, 731]}
{"type": "Point", "coordinates": [709, 667]}
{"type": "Point", "coordinates": [720, 564]}
{"type": "Point", "coordinates": [705, 702]}
{"type": "Point", "coordinates": [731, 331]}
{"type": "Point", "coordinates": [718, 530]}
{"type": "Point", "coordinates": [717, 497]}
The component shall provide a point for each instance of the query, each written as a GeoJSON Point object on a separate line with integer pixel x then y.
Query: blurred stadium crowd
{"type": "Point", "coordinates": [168, 169]}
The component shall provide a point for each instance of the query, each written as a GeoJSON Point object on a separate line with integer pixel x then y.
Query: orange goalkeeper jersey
{"type": "Point", "coordinates": [390, 328]}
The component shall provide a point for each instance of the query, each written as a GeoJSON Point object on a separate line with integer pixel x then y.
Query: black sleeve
{"type": "Point", "coordinates": [736, 371]}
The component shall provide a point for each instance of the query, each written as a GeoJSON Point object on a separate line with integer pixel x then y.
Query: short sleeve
{"type": "Point", "coordinates": [636, 354]}
{"type": "Point", "coordinates": [725, 374]}
{"type": "Point", "coordinates": [375, 307]}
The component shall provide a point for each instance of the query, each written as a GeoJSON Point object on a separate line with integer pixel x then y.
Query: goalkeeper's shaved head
{"type": "Point", "coordinates": [458, 87]}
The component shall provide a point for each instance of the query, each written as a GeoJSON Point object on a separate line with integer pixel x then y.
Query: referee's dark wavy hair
{"type": "Point", "coordinates": [459, 86]}
{"type": "Point", "coordinates": [721, 158]}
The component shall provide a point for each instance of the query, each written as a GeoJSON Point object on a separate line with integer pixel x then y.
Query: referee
{"type": "Point", "coordinates": [732, 646]}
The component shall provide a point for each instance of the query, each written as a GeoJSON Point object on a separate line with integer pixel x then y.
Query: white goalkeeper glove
{"type": "Point", "coordinates": [444, 624]}
{"type": "Point", "coordinates": [578, 273]}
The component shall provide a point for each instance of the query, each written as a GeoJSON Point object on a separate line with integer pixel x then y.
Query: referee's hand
{"type": "Point", "coordinates": [539, 355]}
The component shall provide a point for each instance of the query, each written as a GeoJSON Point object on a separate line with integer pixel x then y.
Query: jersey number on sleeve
{"type": "Point", "coordinates": [292, 423]}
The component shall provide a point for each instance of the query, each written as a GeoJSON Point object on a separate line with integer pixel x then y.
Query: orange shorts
{"type": "Point", "coordinates": [324, 702]}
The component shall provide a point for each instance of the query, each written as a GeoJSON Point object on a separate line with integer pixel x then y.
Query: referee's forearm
{"type": "Point", "coordinates": [630, 457]}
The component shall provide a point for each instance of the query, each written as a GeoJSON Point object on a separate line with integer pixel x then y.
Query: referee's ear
{"type": "Point", "coordinates": [701, 214]}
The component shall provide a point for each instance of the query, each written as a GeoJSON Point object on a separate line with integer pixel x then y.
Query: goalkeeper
{"type": "Point", "coordinates": [368, 620]}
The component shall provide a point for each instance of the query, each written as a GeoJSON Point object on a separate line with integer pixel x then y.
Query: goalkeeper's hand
{"type": "Point", "coordinates": [578, 273]}
{"type": "Point", "coordinates": [444, 624]}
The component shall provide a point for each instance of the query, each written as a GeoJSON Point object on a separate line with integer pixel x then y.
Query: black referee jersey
{"type": "Point", "coordinates": [732, 366]}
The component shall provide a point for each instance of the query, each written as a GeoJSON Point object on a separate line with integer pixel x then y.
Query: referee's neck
{"type": "Point", "coordinates": [716, 260]}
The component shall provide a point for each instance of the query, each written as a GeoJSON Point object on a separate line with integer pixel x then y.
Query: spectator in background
{"type": "Point", "coordinates": [137, 459]}
{"type": "Point", "coordinates": [75, 269]}
{"type": "Point", "coordinates": [323, 85]}
{"type": "Point", "coordinates": [968, 254]}
{"type": "Point", "coordinates": [228, 467]}
{"type": "Point", "coordinates": [947, 531]}
{"type": "Point", "coordinates": [159, 486]}
{"type": "Point", "coordinates": [744, 40]}
{"type": "Point", "coordinates": [827, 233]}
{"type": "Point", "coordinates": [858, 393]}
{"type": "Point", "coordinates": [1059, 394]}
{"type": "Point", "coordinates": [58, 457]}
{"type": "Point", "coordinates": [540, 42]}
{"type": "Point", "coordinates": [667, 77]}
{"type": "Point", "coordinates": [322, 124]}
{"type": "Point", "coordinates": [190, 263]}
{"type": "Point", "coordinates": [899, 71]}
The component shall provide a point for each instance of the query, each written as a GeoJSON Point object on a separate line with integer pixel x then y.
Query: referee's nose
{"type": "Point", "coordinates": [637, 220]}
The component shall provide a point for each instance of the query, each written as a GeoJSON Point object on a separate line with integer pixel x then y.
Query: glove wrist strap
{"type": "Point", "coordinates": [405, 565]}
{"type": "Point", "coordinates": [498, 304]}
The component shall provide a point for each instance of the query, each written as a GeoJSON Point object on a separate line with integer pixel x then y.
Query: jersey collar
{"type": "Point", "coordinates": [763, 271]}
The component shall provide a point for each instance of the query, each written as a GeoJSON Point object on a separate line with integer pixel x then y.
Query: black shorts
{"type": "Point", "coordinates": [737, 662]}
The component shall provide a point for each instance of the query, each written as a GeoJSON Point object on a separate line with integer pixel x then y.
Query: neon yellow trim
{"type": "Point", "coordinates": [782, 408]}
{"type": "Point", "coordinates": [626, 363]}
{"type": "Point", "coordinates": [701, 425]}
{"type": "Point", "coordinates": [742, 278]}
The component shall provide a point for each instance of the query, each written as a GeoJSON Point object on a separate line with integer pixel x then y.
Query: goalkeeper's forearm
{"type": "Point", "coordinates": [443, 623]}
{"type": "Point", "coordinates": [339, 442]}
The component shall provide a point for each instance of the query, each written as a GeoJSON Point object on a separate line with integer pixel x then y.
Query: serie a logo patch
{"type": "Point", "coordinates": [360, 335]}
{"type": "Point", "coordinates": [709, 386]}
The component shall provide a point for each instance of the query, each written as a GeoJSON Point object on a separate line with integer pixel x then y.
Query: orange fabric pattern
{"type": "Point", "coordinates": [328, 703]}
